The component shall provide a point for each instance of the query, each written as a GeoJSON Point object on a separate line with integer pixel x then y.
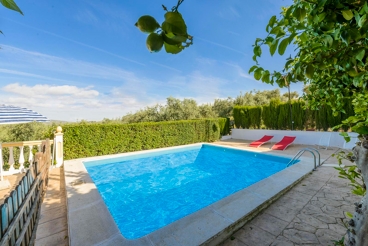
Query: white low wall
{"type": "Point", "coordinates": [332, 139]}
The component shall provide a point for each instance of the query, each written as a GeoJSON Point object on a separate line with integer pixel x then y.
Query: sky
{"type": "Point", "coordinates": [86, 60]}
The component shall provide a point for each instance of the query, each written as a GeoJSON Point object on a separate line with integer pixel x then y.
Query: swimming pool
{"type": "Point", "coordinates": [146, 192]}
{"type": "Point", "coordinates": [90, 222]}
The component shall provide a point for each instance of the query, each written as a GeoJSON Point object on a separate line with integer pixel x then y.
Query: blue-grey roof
{"type": "Point", "coordinates": [12, 115]}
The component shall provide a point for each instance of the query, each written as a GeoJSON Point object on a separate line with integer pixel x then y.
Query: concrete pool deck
{"type": "Point", "coordinates": [311, 213]}
{"type": "Point", "coordinates": [90, 223]}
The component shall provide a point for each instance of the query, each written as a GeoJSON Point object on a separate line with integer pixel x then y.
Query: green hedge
{"type": "Point", "coordinates": [276, 116]}
{"type": "Point", "coordinates": [224, 124]}
{"type": "Point", "coordinates": [91, 139]}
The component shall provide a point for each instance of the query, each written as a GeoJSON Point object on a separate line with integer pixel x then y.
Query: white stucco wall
{"type": "Point", "coordinates": [332, 139]}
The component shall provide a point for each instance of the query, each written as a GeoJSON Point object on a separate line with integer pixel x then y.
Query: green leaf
{"type": "Point", "coordinates": [309, 71]}
{"type": "Point", "coordinates": [345, 36]}
{"type": "Point", "coordinates": [252, 68]}
{"type": "Point", "coordinates": [173, 49]}
{"type": "Point", "coordinates": [291, 37]}
{"type": "Point", "coordinates": [348, 14]}
{"type": "Point", "coordinates": [303, 37]}
{"type": "Point", "coordinates": [275, 30]}
{"type": "Point", "coordinates": [362, 20]}
{"type": "Point", "coordinates": [257, 51]}
{"type": "Point", "coordinates": [365, 7]}
{"type": "Point", "coordinates": [349, 214]}
{"type": "Point", "coordinates": [346, 136]}
{"type": "Point", "coordinates": [359, 192]}
{"type": "Point", "coordinates": [328, 40]}
{"type": "Point", "coordinates": [360, 129]}
{"type": "Point", "coordinates": [282, 47]}
{"type": "Point", "coordinates": [266, 77]}
{"type": "Point", "coordinates": [258, 73]}
{"type": "Point", "coordinates": [272, 21]}
{"type": "Point", "coordinates": [10, 4]}
{"type": "Point", "coordinates": [274, 46]}
{"type": "Point", "coordinates": [299, 14]}
{"type": "Point", "coordinates": [360, 54]}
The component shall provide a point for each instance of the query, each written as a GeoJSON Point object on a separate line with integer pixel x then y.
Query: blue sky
{"type": "Point", "coordinates": [74, 60]}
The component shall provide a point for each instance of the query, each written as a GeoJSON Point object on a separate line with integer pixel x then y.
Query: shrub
{"type": "Point", "coordinates": [91, 139]}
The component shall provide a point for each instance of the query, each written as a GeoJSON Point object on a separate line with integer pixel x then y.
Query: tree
{"type": "Point", "coordinates": [330, 37]}
{"type": "Point", "coordinates": [223, 107]}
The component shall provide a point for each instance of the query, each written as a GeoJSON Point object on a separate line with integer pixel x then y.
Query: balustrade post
{"type": "Point", "coordinates": [30, 158]}
{"type": "Point", "coordinates": [21, 158]}
{"type": "Point", "coordinates": [4, 184]}
{"type": "Point", "coordinates": [1, 163]}
{"type": "Point", "coordinates": [58, 142]}
{"type": "Point", "coordinates": [11, 159]}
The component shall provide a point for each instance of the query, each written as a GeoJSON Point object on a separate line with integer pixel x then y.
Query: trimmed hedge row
{"type": "Point", "coordinates": [276, 116]}
{"type": "Point", "coordinates": [93, 139]}
{"type": "Point", "coordinates": [224, 124]}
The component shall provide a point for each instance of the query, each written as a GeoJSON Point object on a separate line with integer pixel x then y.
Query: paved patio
{"type": "Point", "coordinates": [52, 228]}
{"type": "Point", "coordinates": [311, 213]}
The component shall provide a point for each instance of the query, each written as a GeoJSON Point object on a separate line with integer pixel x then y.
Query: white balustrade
{"type": "Point", "coordinates": [59, 158]}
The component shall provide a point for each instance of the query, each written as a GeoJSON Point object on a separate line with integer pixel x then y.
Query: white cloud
{"type": "Point", "coordinates": [49, 90]}
{"type": "Point", "coordinates": [71, 103]}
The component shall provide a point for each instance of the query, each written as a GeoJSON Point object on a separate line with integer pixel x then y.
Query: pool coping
{"type": "Point", "coordinates": [90, 222]}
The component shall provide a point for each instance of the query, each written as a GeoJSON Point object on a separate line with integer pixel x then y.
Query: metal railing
{"type": "Point", "coordinates": [301, 152]}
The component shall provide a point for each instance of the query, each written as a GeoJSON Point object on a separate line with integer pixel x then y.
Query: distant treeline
{"type": "Point", "coordinates": [188, 109]}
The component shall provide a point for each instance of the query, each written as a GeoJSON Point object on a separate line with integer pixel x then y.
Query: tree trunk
{"type": "Point", "coordinates": [358, 225]}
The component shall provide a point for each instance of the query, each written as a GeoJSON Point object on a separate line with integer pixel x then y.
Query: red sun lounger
{"type": "Point", "coordinates": [261, 141]}
{"type": "Point", "coordinates": [284, 143]}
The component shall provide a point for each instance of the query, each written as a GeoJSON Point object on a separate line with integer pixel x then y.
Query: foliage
{"type": "Point", "coordinates": [299, 115]}
{"type": "Point", "coordinates": [260, 98]}
{"type": "Point", "coordinates": [276, 116]}
{"type": "Point", "coordinates": [94, 139]}
{"type": "Point", "coordinates": [351, 173]}
{"type": "Point", "coordinates": [236, 114]}
{"type": "Point", "coordinates": [172, 34]}
{"type": "Point", "coordinates": [224, 124]}
{"type": "Point", "coordinates": [10, 4]}
{"type": "Point", "coordinates": [223, 107]}
{"type": "Point", "coordinates": [255, 117]}
{"type": "Point", "coordinates": [330, 38]}
{"type": "Point", "coordinates": [23, 132]}
{"type": "Point", "coordinates": [175, 109]}
{"type": "Point", "coordinates": [270, 114]}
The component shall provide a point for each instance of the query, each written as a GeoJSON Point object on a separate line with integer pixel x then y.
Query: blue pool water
{"type": "Point", "coordinates": [145, 193]}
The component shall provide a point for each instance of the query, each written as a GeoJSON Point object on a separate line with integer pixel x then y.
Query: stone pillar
{"type": "Point", "coordinates": [58, 142]}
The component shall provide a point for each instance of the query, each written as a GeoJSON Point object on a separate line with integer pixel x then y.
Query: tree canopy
{"type": "Point", "coordinates": [186, 109]}
{"type": "Point", "coordinates": [330, 38]}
